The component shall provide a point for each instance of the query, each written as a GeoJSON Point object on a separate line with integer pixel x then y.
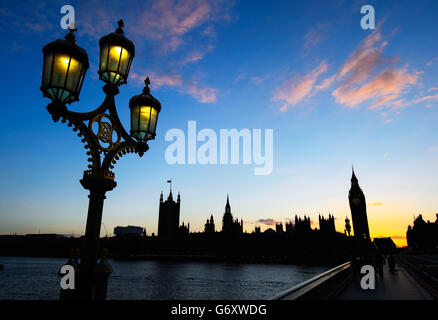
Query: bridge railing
{"type": "Point", "coordinates": [321, 287]}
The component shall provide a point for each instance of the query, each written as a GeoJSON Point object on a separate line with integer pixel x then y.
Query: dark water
{"type": "Point", "coordinates": [36, 278]}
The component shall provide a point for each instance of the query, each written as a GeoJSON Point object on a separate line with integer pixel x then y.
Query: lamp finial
{"type": "Point", "coordinates": [121, 25]}
{"type": "Point", "coordinates": [70, 36]}
{"type": "Point", "coordinates": [147, 82]}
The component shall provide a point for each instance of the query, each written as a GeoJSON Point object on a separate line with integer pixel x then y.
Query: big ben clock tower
{"type": "Point", "coordinates": [358, 210]}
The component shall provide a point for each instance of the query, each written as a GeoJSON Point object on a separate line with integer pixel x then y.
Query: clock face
{"type": "Point", "coordinates": [356, 200]}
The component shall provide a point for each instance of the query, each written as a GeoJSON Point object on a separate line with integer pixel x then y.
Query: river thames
{"type": "Point", "coordinates": [36, 279]}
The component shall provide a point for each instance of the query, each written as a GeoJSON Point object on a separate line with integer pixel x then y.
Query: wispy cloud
{"type": "Point", "coordinates": [28, 17]}
{"type": "Point", "coordinates": [184, 86]}
{"type": "Point", "coordinates": [268, 221]}
{"type": "Point", "coordinates": [168, 21]}
{"type": "Point", "coordinates": [159, 80]}
{"type": "Point", "coordinates": [197, 54]}
{"type": "Point", "coordinates": [369, 76]}
{"type": "Point", "coordinates": [325, 84]}
{"type": "Point", "coordinates": [296, 89]}
{"type": "Point", "coordinates": [366, 77]}
{"type": "Point", "coordinates": [383, 89]}
{"type": "Point", "coordinates": [375, 204]}
{"type": "Point", "coordinates": [168, 34]}
{"type": "Point", "coordinates": [426, 98]}
{"type": "Point", "coordinates": [257, 80]}
{"type": "Point", "coordinates": [164, 23]}
{"type": "Point", "coordinates": [431, 62]}
{"type": "Point", "coordinates": [314, 35]}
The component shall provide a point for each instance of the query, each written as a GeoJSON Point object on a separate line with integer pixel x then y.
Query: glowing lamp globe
{"type": "Point", "coordinates": [64, 68]}
{"type": "Point", "coordinates": [116, 54]}
{"type": "Point", "coordinates": [144, 114]}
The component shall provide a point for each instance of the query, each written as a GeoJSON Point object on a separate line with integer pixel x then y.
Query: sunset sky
{"type": "Point", "coordinates": [334, 94]}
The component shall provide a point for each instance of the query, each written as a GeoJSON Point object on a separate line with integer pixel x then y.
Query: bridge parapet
{"type": "Point", "coordinates": [324, 286]}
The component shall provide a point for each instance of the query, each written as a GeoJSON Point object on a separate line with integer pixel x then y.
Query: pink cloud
{"type": "Point", "coordinates": [402, 103]}
{"type": "Point", "coordinates": [364, 61]}
{"type": "Point", "coordinates": [158, 81]}
{"type": "Point", "coordinates": [204, 95]}
{"type": "Point", "coordinates": [385, 87]}
{"type": "Point", "coordinates": [169, 21]}
{"type": "Point", "coordinates": [163, 32]}
{"type": "Point", "coordinates": [197, 54]}
{"type": "Point", "coordinates": [166, 23]}
{"type": "Point", "coordinates": [369, 76]}
{"type": "Point", "coordinates": [425, 98]}
{"type": "Point", "coordinates": [295, 89]}
{"type": "Point", "coordinates": [325, 84]}
{"type": "Point", "coordinates": [191, 87]}
{"type": "Point", "coordinates": [268, 221]}
{"type": "Point", "coordinates": [366, 76]}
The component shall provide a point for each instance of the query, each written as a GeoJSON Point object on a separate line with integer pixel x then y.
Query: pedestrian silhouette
{"type": "Point", "coordinates": [391, 263]}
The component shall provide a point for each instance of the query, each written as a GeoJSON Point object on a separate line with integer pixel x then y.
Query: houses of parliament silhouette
{"type": "Point", "coordinates": [296, 241]}
{"type": "Point", "coordinates": [169, 216]}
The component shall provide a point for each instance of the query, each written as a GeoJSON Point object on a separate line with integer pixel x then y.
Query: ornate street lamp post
{"type": "Point", "coordinates": [64, 67]}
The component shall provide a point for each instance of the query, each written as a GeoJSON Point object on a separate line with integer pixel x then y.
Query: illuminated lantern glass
{"type": "Point", "coordinates": [64, 68]}
{"type": "Point", "coordinates": [116, 54]}
{"type": "Point", "coordinates": [144, 114]}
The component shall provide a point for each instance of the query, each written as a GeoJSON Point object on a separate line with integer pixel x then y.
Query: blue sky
{"type": "Point", "coordinates": [334, 94]}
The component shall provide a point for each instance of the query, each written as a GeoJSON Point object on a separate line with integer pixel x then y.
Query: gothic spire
{"type": "Point", "coordinates": [228, 207]}
{"type": "Point", "coordinates": [353, 177]}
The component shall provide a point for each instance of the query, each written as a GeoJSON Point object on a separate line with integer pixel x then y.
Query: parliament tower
{"type": "Point", "coordinates": [229, 226]}
{"type": "Point", "coordinates": [168, 219]}
{"type": "Point", "coordinates": [358, 210]}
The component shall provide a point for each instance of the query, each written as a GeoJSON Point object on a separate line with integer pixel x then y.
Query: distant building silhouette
{"type": "Point", "coordinates": [327, 225]}
{"type": "Point", "coordinates": [358, 210]}
{"type": "Point", "coordinates": [184, 229]}
{"type": "Point", "coordinates": [168, 216]}
{"type": "Point", "coordinates": [279, 227]}
{"type": "Point", "coordinates": [129, 231]}
{"type": "Point", "coordinates": [385, 245]}
{"type": "Point", "coordinates": [302, 225]}
{"type": "Point", "coordinates": [423, 235]}
{"type": "Point", "coordinates": [209, 226]}
{"type": "Point", "coordinates": [347, 230]}
{"type": "Point", "coordinates": [257, 229]}
{"type": "Point", "coordinates": [229, 226]}
{"type": "Point", "coordinates": [289, 227]}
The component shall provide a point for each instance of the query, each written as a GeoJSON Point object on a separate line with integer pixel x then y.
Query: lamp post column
{"type": "Point", "coordinates": [64, 68]}
{"type": "Point", "coordinates": [88, 283]}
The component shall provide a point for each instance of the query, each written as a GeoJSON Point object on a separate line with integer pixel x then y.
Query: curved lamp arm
{"type": "Point", "coordinates": [103, 141]}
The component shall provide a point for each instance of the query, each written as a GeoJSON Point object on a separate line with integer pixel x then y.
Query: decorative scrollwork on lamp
{"type": "Point", "coordinates": [105, 132]}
